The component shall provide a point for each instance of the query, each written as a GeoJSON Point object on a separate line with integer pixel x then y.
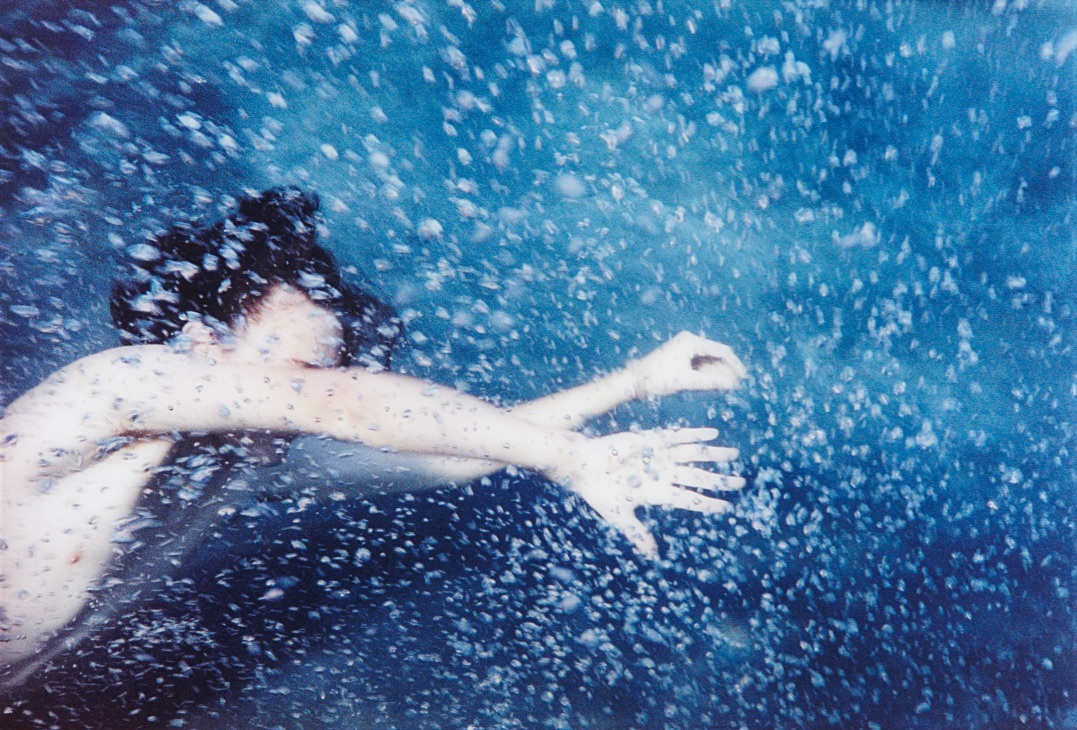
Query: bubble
{"type": "Point", "coordinates": [429, 229]}
{"type": "Point", "coordinates": [570, 185]}
{"type": "Point", "coordinates": [207, 15]}
{"type": "Point", "coordinates": [763, 79]}
{"type": "Point", "coordinates": [317, 13]}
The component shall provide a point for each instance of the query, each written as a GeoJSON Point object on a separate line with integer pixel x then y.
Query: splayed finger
{"type": "Point", "coordinates": [675, 436]}
{"type": "Point", "coordinates": [684, 499]}
{"type": "Point", "coordinates": [688, 476]}
{"type": "Point", "coordinates": [686, 453]}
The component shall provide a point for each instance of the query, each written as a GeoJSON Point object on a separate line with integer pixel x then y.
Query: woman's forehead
{"type": "Point", "coordinates": [285, 296]}
{"type": "Point", "coordinates": [296, 304]}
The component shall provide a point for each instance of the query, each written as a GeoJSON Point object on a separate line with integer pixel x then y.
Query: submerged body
{"type": "Point", "coordinates": [77, 451]}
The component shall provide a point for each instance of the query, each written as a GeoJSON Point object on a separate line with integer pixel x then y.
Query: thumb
{"type": "Point", "coordinates": [626, 522]}
{"type": "Point", "coordinates": [643, 541]}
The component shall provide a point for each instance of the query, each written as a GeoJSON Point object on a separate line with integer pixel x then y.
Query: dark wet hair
{"type": "Point", "coordinates": [222, 271]}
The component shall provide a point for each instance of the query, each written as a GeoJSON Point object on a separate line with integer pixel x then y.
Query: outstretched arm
{"type": "Point", "coordinates": [149, 391]}
{"type": "Point", "coordinates": [686, 362]}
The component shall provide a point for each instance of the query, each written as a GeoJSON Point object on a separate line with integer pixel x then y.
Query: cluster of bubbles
{"type": "Point", "coordinates": [870, 201]}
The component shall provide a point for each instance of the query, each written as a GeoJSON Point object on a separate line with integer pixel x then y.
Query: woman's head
{"type": "Point", "coordinates": [285, 328]}
{"type": "Point", "coordinates": [218, 275]}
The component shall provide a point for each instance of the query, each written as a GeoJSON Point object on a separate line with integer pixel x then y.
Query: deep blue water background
{"type": "Point", "coordinates": [905, 554]}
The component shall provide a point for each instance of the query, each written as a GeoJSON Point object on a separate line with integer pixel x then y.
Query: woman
{"type": "Point", "coordinates": [243, 336]}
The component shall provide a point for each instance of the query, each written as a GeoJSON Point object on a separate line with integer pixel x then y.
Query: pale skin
{"type": "Point", "coordinates": [77, 450]}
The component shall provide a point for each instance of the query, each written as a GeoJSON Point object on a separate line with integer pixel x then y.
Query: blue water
{"type": "Point", "coordinates": [884, 233]}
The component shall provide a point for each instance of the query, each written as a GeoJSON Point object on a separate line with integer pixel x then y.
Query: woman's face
{"type": "Point", "coordinates": [286, 328]}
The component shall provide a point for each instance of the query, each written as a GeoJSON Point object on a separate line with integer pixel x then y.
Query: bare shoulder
{"type": "Point", "coordinates": [54, 426]}
{"type": "Point", "coordinates": [92, 376]}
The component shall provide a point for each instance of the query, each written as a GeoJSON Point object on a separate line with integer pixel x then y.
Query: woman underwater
{"type": "Point", "coordinates": [243, 335]}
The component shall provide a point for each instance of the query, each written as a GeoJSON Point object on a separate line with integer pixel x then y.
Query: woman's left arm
{"type": "Point", "coordinates": [686, 362]}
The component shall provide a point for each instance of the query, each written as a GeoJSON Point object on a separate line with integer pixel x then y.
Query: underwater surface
{"type": "Point", "coordinates": [871, 201]}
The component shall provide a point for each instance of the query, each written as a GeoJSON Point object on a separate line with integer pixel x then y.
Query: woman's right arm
{"type": "Point", "coordinates": [68, 421]}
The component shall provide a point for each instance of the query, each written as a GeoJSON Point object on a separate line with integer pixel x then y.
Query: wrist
{"type": "Point", "coordinates": [564, 457]}
{"type": "Point", "coordinates": [634, 380]}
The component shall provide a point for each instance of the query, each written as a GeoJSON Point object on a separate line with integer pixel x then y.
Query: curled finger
{"type": "Point", "coordinates": [724, 354]}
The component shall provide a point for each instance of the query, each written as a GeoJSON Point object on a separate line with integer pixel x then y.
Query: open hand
{"type": "Point", "coordinates": [616, 474]}
{"type": "Point", "coordinates": [687, 362]}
